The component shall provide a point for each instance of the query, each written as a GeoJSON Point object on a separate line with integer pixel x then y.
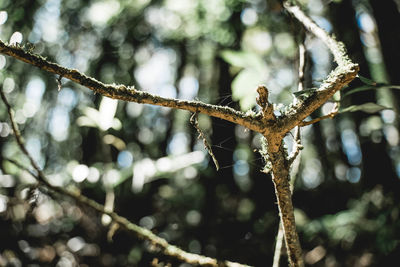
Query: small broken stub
{"type": "Point", "coordinates": [262, 101]}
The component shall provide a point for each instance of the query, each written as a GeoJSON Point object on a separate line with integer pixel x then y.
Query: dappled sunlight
{"type": "Point", "coordinates": [147, 170]}
{"type": "Point", "coordinates": [99, 13]}
{"type": "Point", "coordinates": [16, 38]}
{"type": "Point", "coordinates": [148, 163]}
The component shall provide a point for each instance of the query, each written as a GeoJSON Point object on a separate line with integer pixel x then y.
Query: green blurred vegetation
{"type": "Point", "coordinates": [146, 162]}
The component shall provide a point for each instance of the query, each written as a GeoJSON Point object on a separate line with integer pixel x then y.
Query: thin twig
{"type": "Point", "coordinates": [278, 246]}
{"type": "Point", "coordinates": [328, 116]}
{"type": "Point", "coordinates": [302, 66]}
{"type": "Point", "coordinates": [297, 146]}
{"type": "Point", "coordinates": [302, 62]}
{"type": "Point", "coordinates": [59, 84]}
{"type": "Point", "coordinates": [31, 196]}
{"type": "Point", "coordinates": [159, 243]}
{"type": "Point", "coordinates": [19, 139]}
{"type": "Point", "coordinates": [194, 121]}
{"type": "Point", "coordinates": [20, 166]}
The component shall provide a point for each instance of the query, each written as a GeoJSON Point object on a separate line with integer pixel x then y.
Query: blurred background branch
{"type": "Point", "coordinates": [157, 243]}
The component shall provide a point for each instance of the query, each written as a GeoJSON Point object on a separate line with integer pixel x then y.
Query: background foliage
{"type": "Point", "coordinates": [147, 163]}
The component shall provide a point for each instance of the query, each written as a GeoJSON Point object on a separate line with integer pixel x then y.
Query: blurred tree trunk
{"type": "Point", "coordinates": [387, 17]}
{"type": "Point", "coordinates": [375, 160]}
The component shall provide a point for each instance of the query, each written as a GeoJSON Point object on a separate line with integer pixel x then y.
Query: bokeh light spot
{"type": "Point", "coordinates": [3, 17]}
{"type": "Point", "coordinates": [16, 38]}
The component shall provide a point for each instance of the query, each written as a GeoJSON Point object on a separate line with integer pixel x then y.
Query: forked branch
{"type": "Point", "coordinates": [344, 73]}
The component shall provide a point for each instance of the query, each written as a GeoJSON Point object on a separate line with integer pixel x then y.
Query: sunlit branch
{"type": "Point", "coordinates": [157, 242]}
{"type": "Point", "coordinates": [127, 93]}
{"type": "Point", "coordinates": [344, 73]}
{"type": "Point", "coordinates": [337, 48]}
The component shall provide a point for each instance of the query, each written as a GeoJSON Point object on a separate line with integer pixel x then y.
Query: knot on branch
{"type": "Point", "coordinates": [262, 100]}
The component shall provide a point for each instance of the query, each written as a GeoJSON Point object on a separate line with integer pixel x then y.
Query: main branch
{"type": "Point", "coordinates": [128, 93]}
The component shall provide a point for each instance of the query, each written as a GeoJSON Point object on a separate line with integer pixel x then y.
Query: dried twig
{"type": "Point", "coordinates": [328, 116]}
{"type": "Point", "coordinates": [59, 84]}
{"type": "Point", "coordinates": [32, 193]}
{"type": "Point", "coordinates": [194, 121]}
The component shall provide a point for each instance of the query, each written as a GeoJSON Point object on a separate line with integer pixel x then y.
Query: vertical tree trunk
{"type": "Point", "coordinates": [281, 178]}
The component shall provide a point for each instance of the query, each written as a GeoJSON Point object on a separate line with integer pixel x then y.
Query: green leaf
{"type": "Point", "coordinates": [243, 59]}
{"type": "Point", "coordinates": [370, 87]}
{"type": "Point", "coordinates": [244, 88]}
{"type": "Point", "coordinates": [253, 74]}
{"type": "Point", "coordinates": [369, 107]}
{"type": "Point", "coordinates": [366, 80]}
{"type": "Point", "coordinates": [360, 89]}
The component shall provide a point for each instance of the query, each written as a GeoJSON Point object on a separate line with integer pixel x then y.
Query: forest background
{"type": "Point", "coordinates": [147, 163]}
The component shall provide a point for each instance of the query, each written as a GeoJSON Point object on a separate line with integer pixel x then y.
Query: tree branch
{"type": "Point", "coordinates": [142, 233]}
{"type": "Point", "coordinates": [131, 94]}
{"type": "Point", "coordinates": [300, 86]}
{"type": "Point", "coordinates": [344, 73]}
{"type": "Point", "coordinates": [281, 179]}
{"type": "Point", "coordinates": [194, 121]}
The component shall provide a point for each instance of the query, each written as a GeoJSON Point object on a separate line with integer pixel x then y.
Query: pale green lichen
{"type": "Point", "coordinates": [264, 153]}
{"type": "Point", "coordinates": [283, 110]}
{"type": "Point", "coordinates": [251, 113]}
